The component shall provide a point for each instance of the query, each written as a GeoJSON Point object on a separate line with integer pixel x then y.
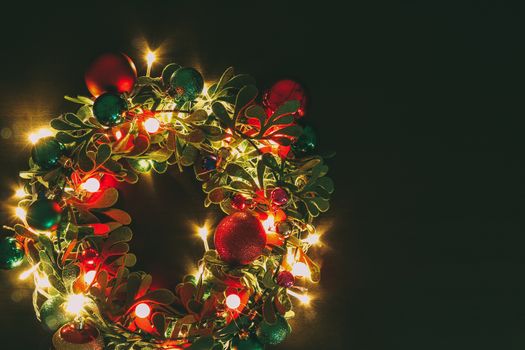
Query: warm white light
{"type": "Point", "coordinates": [300, 269]}
{"type": "Point", "coordinates": [203, 234]}
{"type": "Point", "coordinates": [233, 301]}
{"type": "Point", "coordinates": [75, 303]}
{"type": "Point", "coordinates": [142, 310]}
{"type": "Point", "coordinates": [312, 239]}
{"type": "Point", "coordinates": [42, 282]}
{"type": "Point", "coordinates": [269, 223]}
{"type": "Point", "coordinates": [37, 135]}
{"type": "Point", "coordinates": [150, 58]}
{"type": "Point", "coordinates": [118, 134]}
{"type": "Point", "coordinates": [89, 276]}
{"type": "Point", "coordinates": [152, 125]}
{"type": "Point", "coordinates": [91, 185]}
{"type": "Point", "coordinates": [20, 193]}
{"type": "Point", "coordinates": [303, 298]}
{"type": "Point", "coordinates": [24, 275]}
{"type": "Point", "coordinates": [20, 213]}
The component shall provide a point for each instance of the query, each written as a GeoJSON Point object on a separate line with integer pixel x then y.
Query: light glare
{"type": "Point", "coordinates": [233, 301]}
{"type": "Point", "coordinates": [142, 310]}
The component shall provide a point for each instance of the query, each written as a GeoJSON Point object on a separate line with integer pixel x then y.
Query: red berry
{"type": "Point", "coordinates": [279, 196]}
{"type": "Point", "coordinates": [240, 238]}
{"type": "Point", "coordinates": [89, 257]}
{"type": "Point", "coordinates": [239, 202]}
{"type": "Point", "coordinates": [285, 279]}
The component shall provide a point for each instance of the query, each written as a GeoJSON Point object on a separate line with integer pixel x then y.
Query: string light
{"type": "Point", "coordinates": [269, 223]}
{"type": "Point", "coordinates": [89, 276]}
{"type": "Point", "coordinates": [91, 185]}
{"type": "Point", "coordinates": [24, 275]}
{"type": "Point", "coordinates": [20, 213]}
{"type": "Point", "coordinates": [75, 303]}
{"type": "Point", "coordinates": [312, 239]}
{"type": "Point", "coordinates": [37, 135]}
{"type": "Point", "coordinates": [142, 310]}
{"type": "Point", "coordinates": [303, 298]}
{"type": "Point", "coordinates": [150, 58]}
{"type": "Point", "coordinates": [300, 269]}
{"type": "Point", "coordinates": [152, 125]}
{"type": "Point", "coordinates": [118, 135]}
{"type": "Point", "coordinates": [203, 234]}
{"type": "Point", "coordinates": [233, 301]}
{"type": "Point", "coordinates": [20, 193]}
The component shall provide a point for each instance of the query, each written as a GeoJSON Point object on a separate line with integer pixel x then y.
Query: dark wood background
{"type": "Point", "coordinates": [422, 102]}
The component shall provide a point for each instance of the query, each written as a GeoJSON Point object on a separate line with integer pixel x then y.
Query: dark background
{"type": "Point", "coordinates": [423, 104]}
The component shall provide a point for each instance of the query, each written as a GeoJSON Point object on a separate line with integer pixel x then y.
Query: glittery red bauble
{"type": "Point", "coordinates": [111, 72]}
{"type": "Point", "coordinates": [285, 279]}
{"type": "Point", "coordinates": [279, 196]}
{"type": "Point", "coordinates": [89, 257]}
{"type": "Point", "coordinates": [72, 334]}
{"type": "Point", "coordinates": [240, 238]}
{"type": "Point", "coordinates": [284, 91]}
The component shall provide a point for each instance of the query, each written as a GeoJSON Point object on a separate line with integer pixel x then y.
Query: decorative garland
{"type": "Point", "coordinates": [255, 162]}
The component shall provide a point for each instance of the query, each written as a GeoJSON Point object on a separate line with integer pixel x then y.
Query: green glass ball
{"type": "Point", "coordinates": [187, 83]}
{"type": "Point", "coordinates": [109, 108]}
{"type": "Point", "coordinates": [306, 142]}
{"type": "Point", "coordinates": [273, 333]}
{"type": "Point", "coordinates": [11, 253]}
{"type": "Point", "coordinates": [47, 152]}
{"type": "Point", "coordinates": [53, 315]}
{"type": "Point", "coordinates": [250, 343]}
{"type": "Point", "coordinates": [43, 214]}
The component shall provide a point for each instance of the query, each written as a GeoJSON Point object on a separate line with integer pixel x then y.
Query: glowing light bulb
{"type": "Point", "coordinates": [233, 301]}
{"type": "Point", "coordinates": [118, 134]}
{"type": "Point", "coordinates": [269, 223]}
{"type": "Point", "coordinates": [37, 135]}
{"type": "Point", "coordinates": [203, 234]}
{"type": "Point", "coordinates": [312, 239]}
{"type": "Point", "coordinates": [142, 310]}
{"type": "Point", "coordinates": [20, 193]}
{"type": "Point", "coordinates": [150, 58]}
{"type": "Point", "coordinates": [152, 125]}
{"type": "Point", "coordinates": [303, 298]}
{"type": "Point", "coordinates": [91, 185]}
{"type": "Point", "coordinates": [300, 269]}
{"type": "Point", "coordinates": [75, 303]}
{"type": "Point", "coordinates": [20, 213]}
{"type": "Point", "coordinates": [89, 276]}
{"type": "Point", "coordinates": [24, 275]}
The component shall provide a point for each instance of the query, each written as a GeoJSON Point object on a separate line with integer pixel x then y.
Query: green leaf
{"type": "Point", "coordinates": [270, 161]}
{"type": "Point", "coordinates": [222, 115]}
{"type": "Point", "coordinates": [199, 115]}
{"type": "Point", "coordinates": [226, 77]}
{"type": "Point", "coordinates": [289, 107]}
{"type": "Point", "coordinates": [261, 167]}
{"type": "Point", "coordinates": [64, 137]}
{"type": "Point", "coordinates": [235, 170]}
{"type": "Point", "coordinates": [122, 234]}
{"type": "Point", "coordinates": [292, 130]}
{"type": "Point", "coordinates": [244, 98]}
{"type": "Point", "coordinates": [59, 124]}
{"type": "Point", "coordinates": [269, 311]}
{"type": "Point", "coordinates": [159, 296]}
{"type": "Point", "coordinates": [107, 199]}
{"type": "Point", "coordinates": [256, 111]}
{"type": "Point", "coordinates": [326, 183]}
{"type": "Point", "coordinates": [69, 274]}
{"type": "Point", "coordinates": [118, 215]}
{"type": "Point", "coordinates": [103, 153]}
{"type": "Point", "coordinates": [73, 119]}
{"type": "Point", "coordinates": [239, 81]}
{"type": "Point", "coordinates": [202, 343]}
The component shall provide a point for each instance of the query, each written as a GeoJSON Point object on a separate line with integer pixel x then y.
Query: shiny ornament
{"type": "Point", "coordinates": [187, 83]}
{"type": "Point", "coordinates": [109, 108]}
{"type": "Point", "coordinates": [282, 92]}
{"type": "Point", "coordinates": [273, 333]}
{"type": "Point", "coordinates": [47, 152]}
{"type": "Point", "coordinates": [209, 163]}
{"type": "Point", "coordinates": [11, 253]}
{"type": "Point", "coordinates": [89, 258]}
{"type": "Point", "coordinates": [53, 314]}
{"type": "Point", "coordinates": [279, 196]}
{"type": "Point", "coordinates": [250, 343]}
{"type": "Point", "coordinates": [285, 279]}
{"type": "Point", "coordinates": [240, 238]}
{"type": "Point", "coordinates": [306, 142]}
{"type": "Point", "coordinates": [43, 214]}
{"type": "Point", "coordinates": [72, 337]}
{"type": "Point", "coordinates": [239, 202]}
{"type": "Point", "coordinates": [111, 72]}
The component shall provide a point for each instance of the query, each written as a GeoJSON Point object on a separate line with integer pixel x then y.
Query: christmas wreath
{"type": "Point", "coordinates": [255, 161]}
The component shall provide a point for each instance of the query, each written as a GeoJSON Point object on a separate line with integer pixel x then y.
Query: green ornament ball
{"type": "Point", "coordinates": [46, 152]}
{"type": "Point", "coordinates": [53, 315]}
{"type": "Point", "coordinates": [11, 253]}
{"type": "Point", "coordinates": [43, 214]}
{"type": "Point", "coordinates": [306, 142]}
{"type": "Point", "coordinates": [109, 108]}
{"type": "Point", "coordinates": [250, 343]}
{"type": "Point", "coordinates": [273, 333]}
{"type": "Point", "coordinates": [187, 83]}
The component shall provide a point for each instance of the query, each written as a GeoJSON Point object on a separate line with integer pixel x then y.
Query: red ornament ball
{"type": "Point", "coordinates": [284, 91]}
{"type": "Point", "coordinates": [240, 238]}
{"type": "Point", "coordinates": [71, 336]}
{"type": "Point", "coordinates": [285, 279]}
{"type": "Point", "coordinates": [111, 72]}
{"type": "Point", "coordinates": [279, 196]}
{"type": "Point", "coordinates": [89, 257]}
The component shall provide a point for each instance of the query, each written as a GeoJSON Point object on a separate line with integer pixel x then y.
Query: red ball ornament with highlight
{"type": "Point", "coordinates": [240, 238]}
{"type": "Point", "coordinates": [111, 72]}
{"type": "Point", "coordinates": [282, 92]}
